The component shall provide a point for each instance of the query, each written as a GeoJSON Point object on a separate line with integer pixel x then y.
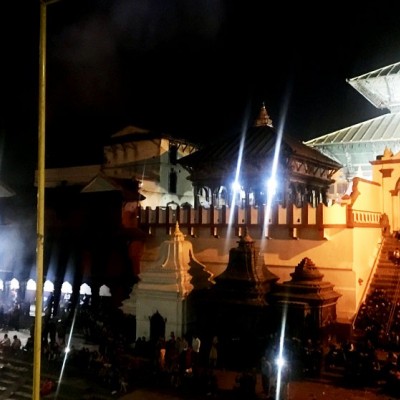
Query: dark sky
{"type": "Point", "coordinates": [193, 69]}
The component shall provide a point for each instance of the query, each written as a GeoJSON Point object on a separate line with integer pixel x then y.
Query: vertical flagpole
{"type": "Point", "coordinates": [40, 204]}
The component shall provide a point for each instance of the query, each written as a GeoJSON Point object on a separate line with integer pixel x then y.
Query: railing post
{"type": "Point", "coordinates": [247, 214]}
{"type": "Point", "coordinates": [212, 232]}
{"type": "Point", "coordinates": [350, 217]}
{"type": "Point", "coordinates": [304, 214]}
{"type": "Point", "coordinates": [223, 215]}
{"type": "Point", "coordinates": [235, 219]}
{"type": "Point", "coordinates": [289, 215]}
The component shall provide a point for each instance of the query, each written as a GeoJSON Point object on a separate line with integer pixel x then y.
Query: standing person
{"type": "Point", "coordinates": [170, 351]}
{"type": "Point", "coordinates": [266, 375]}
{"type": "Point", "coordinates": [196, 344]}
{"type": "Point", "coordinates": [2, 316]}
{"type": "Point", "coordinates": [14, 316]}
{"type": "Point", "coordinates": [61, 331]}
{"type": "Point", "coordinates": [213, 355]}
{"type": "Point", "coordinates": [184, 361]}
{"type": "Point", "coordinates": [195, 351]}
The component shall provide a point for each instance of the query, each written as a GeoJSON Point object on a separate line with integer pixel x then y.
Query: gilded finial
{"type": "Point", "coordinates": [178, 235]}
{"type": "Point", "coordinates": [263, 118]}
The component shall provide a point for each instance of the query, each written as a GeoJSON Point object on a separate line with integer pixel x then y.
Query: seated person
{"type": "Point", "coordinates": [5, 343]}
{"type": "Point", "coordinates": [29, 344]}
{"type": "Point", "coordinates": [16, 344]}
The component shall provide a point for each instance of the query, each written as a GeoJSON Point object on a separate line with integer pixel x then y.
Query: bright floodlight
{"type": "Point", "coordinates": [280, 361]}
{"type": "Point", "coordinates": [271, 185]}
{"type": "Point", "coordinates": [236, 186]}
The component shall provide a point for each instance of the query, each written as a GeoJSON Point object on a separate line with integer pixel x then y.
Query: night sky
{"type": "Point", "coordinates": [192, 69]}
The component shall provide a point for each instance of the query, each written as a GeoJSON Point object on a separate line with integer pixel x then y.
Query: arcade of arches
{"type": "Point", "coordinates": [17, 299]}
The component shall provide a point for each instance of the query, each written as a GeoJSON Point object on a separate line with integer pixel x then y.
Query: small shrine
{"type": "Point", "coordinates": [306, 304]}
{"type": "Point", "coordinates": [244, 281]}
{"type": "Point", "coordinates": [160, 300]}
{"type": "Point", "coordinates": [235, 308]}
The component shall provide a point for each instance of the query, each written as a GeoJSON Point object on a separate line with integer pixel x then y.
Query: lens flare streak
{"type": "Point", "coordinates": [236, 181]}
{"type": "Point", "coordinates": [281, 360]}
{"type": "Point", "coordinates": [272, 178]}
{"type": "Point", "coordinates": [67, 349]}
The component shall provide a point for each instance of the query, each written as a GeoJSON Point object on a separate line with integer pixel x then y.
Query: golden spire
{"type": "Point", "coordinates": [263, 118]}
{"type": "Point", "coordinates": [178, 235]}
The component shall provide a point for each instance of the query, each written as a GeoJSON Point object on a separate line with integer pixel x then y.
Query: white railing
{"type": "Point", "coordinates": [320, 216]}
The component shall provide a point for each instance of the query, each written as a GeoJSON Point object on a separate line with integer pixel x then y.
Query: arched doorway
{"type": "Point", "coordinates": [157, 327]}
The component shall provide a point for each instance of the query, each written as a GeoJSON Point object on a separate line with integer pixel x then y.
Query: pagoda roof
{"type": "Point", "coordinates": [381, 87]}
{"type": "Point", "coordinates": [259, 143]}
{"type": "Point", "coordinates": [257, 149]}
{"type": "Point", "coordinates": [365, 141]}
{"type": "Point", "coordinates": [382, 128]}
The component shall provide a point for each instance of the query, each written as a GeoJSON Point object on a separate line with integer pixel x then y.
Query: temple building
{"type": "Point", "coordinates": [148, 158]}
{"type": "Point", "coordinates": [357, 145]}
{"type": "Point", "coordinates": [110, 221]}
{"type": "Point", "coordinates": [260, 164]}
{"type": "Point", "coordinates": [276, 188]}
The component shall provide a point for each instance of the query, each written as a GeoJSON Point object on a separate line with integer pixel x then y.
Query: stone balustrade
{"type": "Point", "coordinates": [320, 217]}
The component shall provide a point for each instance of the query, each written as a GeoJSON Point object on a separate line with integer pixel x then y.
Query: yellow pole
{"type": "Point", "coordinates": [40, 205]}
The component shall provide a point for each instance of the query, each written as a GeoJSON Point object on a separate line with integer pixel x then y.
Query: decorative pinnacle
{"type": "Point", "coordinates": [263, 118]}
{"type": "Point", "coordinates": [178, 235]}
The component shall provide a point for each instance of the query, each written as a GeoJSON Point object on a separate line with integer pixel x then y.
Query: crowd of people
{"type": "Point", "coordinates": [111, 357]}
{"type": "Point", "coordinates": [120, 363]}
{"type": "Point", "coordinates": [9, 347]}
{"type": "Point", "coordinates": [379, 320]}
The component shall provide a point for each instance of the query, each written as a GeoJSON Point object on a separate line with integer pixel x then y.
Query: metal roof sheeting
{"type": "Point", "coordinates": [383, 128]}
{"type": "Point", "coordinates": [381, 87]}
{"type": "Point", "coordinates": [258, 146]}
